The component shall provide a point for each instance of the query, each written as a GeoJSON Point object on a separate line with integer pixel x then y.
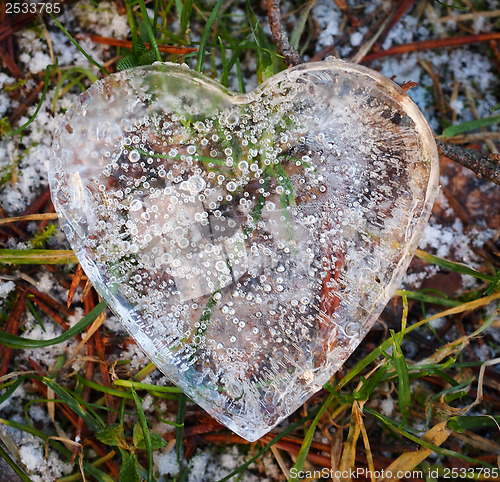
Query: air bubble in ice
{"type": "Point", "coordinates": [135, 205]}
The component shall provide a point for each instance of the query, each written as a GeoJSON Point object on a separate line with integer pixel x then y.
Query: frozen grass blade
{"type": "Point", "coordinates": [179, 427]}
{"type": "Point", "coordinates": [18, 342]}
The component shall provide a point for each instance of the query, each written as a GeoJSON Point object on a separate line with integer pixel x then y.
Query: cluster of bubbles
{"type": "Point", "coordinates": [247, 242]}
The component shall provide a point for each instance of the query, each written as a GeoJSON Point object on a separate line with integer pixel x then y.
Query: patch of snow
{"type": "Point", "coordinates": [6, 287]}
{"type": "Point", "coordinates": [45, 283]}
{"type": "Point", "coordinates": [356, 39]}
{"type": "Point", "coordinates": [165, 461]}
{"type": "Point", "coordinates": [387, 406]}
{"type": "Point", "coordinates": [329, 18]}
{"type": "Point", "coordinates": [42, 469]}
{"type": "Point", "coordinates": [207, 465]}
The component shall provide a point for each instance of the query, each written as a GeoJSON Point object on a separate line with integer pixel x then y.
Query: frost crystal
{"type": "Point", "coordinates": [248, 242]}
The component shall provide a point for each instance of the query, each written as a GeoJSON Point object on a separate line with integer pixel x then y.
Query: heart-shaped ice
{"type": "Point", "coordinates": [247, 242]}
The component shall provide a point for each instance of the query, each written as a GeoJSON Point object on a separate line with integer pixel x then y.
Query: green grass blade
{"type": "Point", "coordinates": [494, 284]}
{"type": "Point", "coordinates": [187, 8]}
{"type": "Point", "coordinates": [206, 32]}
{"type": "Point", "coordinates": [370, 384]}
{"type": "Point", "coordinates": [225, 73]}
{"type": "Point", "coordinates": [265, 64]}
{"type": "Point", "coordinates": [18, 342]}
{"type": "Point", "coordinates": [72, 403]}
{"type": "Point", "coordinates": [103, 388]}
{"type": "Point", "coordinates": [435, 300]}
{"type": "Point", "coordinates": [20, 472]}
{"type": "Point", "coordinates": [453, 266]}
{"type": "Point", "coordinates": [33, 311]}
{"type": "Point", "coordinates": [78, 46]}
{"type": "Point", "coordinates": [151, 35]}
{"type": "Point", "coordinates": [300, 25]}
{"type": "Point", "coordinates": [11, 389]}
{"type": "Point", "coordinates": [179, 429]}
{"type": "Point", "coordinates": [383, 347]}
{"type": "Point", "coordinates": [146, 386]}
{"type": "Point", "coordinates": [241, 79]}
{"type": "Point", "coordinates": [470, 126]}
{"type": "Point", "coordinates": [404, 394]}
{"type": "Point", "coordinates": [145, 433]}
{"type": "Point", "coordinates": [37, 256]}
{"type": "Point", "coordinates": [48, 73]}
{"type": "Point", "coordinates": [471, 422]}
{"type": "Point", "coordinates": [306, 444]}
{"type": "Point", "coordinates": [438, 450]}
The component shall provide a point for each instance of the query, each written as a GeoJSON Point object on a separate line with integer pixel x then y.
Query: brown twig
{"type": "Point", "coordinates": [398, 14]}
{"type": "Point", "coordinates": [347, 10]}
{"type": "Point", "coordinates": [432, 44]}
{"type": "Point", "coordinates": [484, 166]}
{"type": "Point", "coordinates": [114, 42]}
{"type": "Point", "coordinates": [75, 283]}
{"type": "Point", "coordinates": [36, 205]}
{"type": "Point", "coordinates": [280, 37]}
{"type": "Point", "coordinates": [48, 300]}
{"type": "Point", "coordinates": [9, 62]}
{"type": "Point", "coordinates": [100, 351]}
{"type": "Point", "coordinates": [52, 313]}
{"type": "Point", "coordinates": [12, 327]}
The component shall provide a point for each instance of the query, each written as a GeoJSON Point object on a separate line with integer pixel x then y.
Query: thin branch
{"type": "Point", "coordinates": [484, 166]}
{"type": "Point", "coordinates": [280, 37]}
{"type": "Point", "coordinates": [432, 44]}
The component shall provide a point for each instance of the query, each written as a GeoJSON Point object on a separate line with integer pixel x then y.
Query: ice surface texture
{"type": "Point", "coordinates": [248, 242]}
